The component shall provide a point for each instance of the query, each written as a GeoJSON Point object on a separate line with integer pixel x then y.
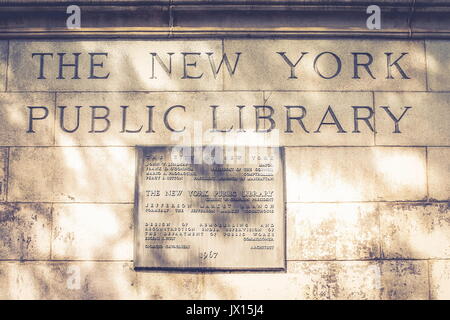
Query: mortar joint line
{"type": "Point", "coordinates": [7, 65]}
{"type": "Point", "coordinates": [410, 17]}
{"type": "Point", "coordinates": [427, 88]}
{"type": "Point", "coordinates": [223, 69]}
{"type": "Point", "coordinates": [427, 168]}
{"type": "Point", "coordinates": [429, 279]}
{"type": "Point", "coordinates": [51, 229]}
{"type": "Point", "coordinates": [8, 153]}
{"type": "Point", "coordinates": [374, 120]}
{"type": "Point", "coordinates": [55, 98]}
{"type": "Point", "coordinates": [170, 18]}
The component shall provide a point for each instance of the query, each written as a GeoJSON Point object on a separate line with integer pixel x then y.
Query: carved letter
{"type": "Point", "coordinates": [241, 128]}
{"type": "Point", "coordinates": [168, 70]}
{"type": "Point", "coordinates": [356, 117]}
{"type": "Point", "coordinates": [74, 65]}
{"type": "Point", "coordinates": [338, 65]}
{"type": "Point", "coordinates": [93, 65]}
{"type": "Point", "coordinates": [150, 119]}
{"type": "Point", "coordinates": [61, 119]}
{"type": "Point", "coordinates": [214, 121]}
{"type": "Point", "coordinates": [96, 117]}
{"type": "Point", "coordinates": [41, 63]}
{"type": "Point", "coordinates": [192, 64]}
{"type": "Point", "coordinates": [395, 119]}
{"type": "Point", "coordinates": [334, 123]}
{"type": "Point", "coordinates": [124, 122]}
{"type": "Point", "coordinates": [389, 65]}
{"type": "Point", "coordinates": [224, 60]}
{"type": "Point", "coordinates": [265, 117]}
{"type": "Point", "coordinates": [290, 64]}
{"type": "Point", "coordinates": [166, 115]}
{"type": "Point", "coordinates": [31, 117]}
{"type": "Point", "coordinates": [299, 118]}
{"type": "Point", "coordinates": [366, 65]}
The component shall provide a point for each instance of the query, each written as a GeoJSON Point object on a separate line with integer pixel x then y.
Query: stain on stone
{"type": "Point", "coordinates": [23, 231]}
{"type": "Point", "coordinates": [8, 212]}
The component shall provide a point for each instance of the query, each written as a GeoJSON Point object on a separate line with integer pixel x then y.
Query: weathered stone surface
{"type": "Point", "coordinates": [319, 107]}
{"type": "Point", "coordinates": [106, 280]}
{"type": "Point", "coordinates": [92, 232]}
{"type": "Point", "coordinates": [269, 286]}
{"type": "Point", "coordinates": [193, 118]}
{"type": "Point", "coordinates": [424, 124]}
{"type": "Point", "coordinates": [338, 279]}
{"type": "Point", "coordinates": [3, 62]}
{"type": "Point", "coordinates": [31, 175]}
{"type": "Point", "coordinates": [404, 280]}
{"type": "Point", "coordinates": [304, 280]}
{"type": "Point", "coordinates": [3, 173]}
{"type": "Point", "coordinates": [438, 65]}
{"type": "Point", "coordinates": [25, 231]}
{"type": "Point", "coordinates": [173, 286]}
{"type": "Point", "coordinates": [355, 174]}
{"type": "Point", "coordinates": [439, 173]}
{"type": "Point", "coordinates": [16, 109]}
{"type": "Point", "coordinates": [440, 279]}
{"type": "Point", "coordinates": [30, 280]}
{"type": "Point", "coordinates": [95, 170]}
{"type": "Point", "coordinates": [332, 231]}
{"type": "Point", "coordinates": [72, 174]}
{"type": "Point", "coordinates": [67, 280]}
{"type": "Point", "coordinates": [415, 230]}
{"type": "Point", "coordinates": [261, 67]}
{"type": "Point", "coordinates": [128, 66]}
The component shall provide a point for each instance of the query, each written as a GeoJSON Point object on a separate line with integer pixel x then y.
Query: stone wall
{"type": "Point", "coordinates": [367, 211]}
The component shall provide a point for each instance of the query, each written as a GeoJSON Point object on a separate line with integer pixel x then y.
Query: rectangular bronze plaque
{"type": "Point", "coordinates": [210, 208]}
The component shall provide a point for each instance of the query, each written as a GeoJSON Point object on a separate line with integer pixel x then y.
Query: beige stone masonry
{"type": "Point", "coordinates": [92, 232]}
{"type": "Point", "coordinates": [438, 65]}
{"type": "Point", "coordinates": [25, 231]}
{"type": "Point", "coordinates": [72, 280]}
{"type": "Point", "coordinates": [439, 173]}
{"type": "Point", "coordinates": [405, 280]}
{"type": "Point", "coordinates": [440, 279]}
{"type": "Point", "coordinates": [367, 212]}
{"type": "Point", "coordinates": [16, 110]}
{"type": "Point", "coordinates": [330, 231]}
{"type": "Point", "coordinates": [425, 123]}
{"type": "Point", "coordinates": [415, 230]}
{"type": "Point", "coordinates": [65, 174]}
{"type": "Point", "coordinates": [355, 174]}
{"type": "Point", "coordinates": [3, 64]}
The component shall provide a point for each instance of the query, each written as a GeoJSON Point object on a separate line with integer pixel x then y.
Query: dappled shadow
{"type": "Point", "coordinates": [67, 220]}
